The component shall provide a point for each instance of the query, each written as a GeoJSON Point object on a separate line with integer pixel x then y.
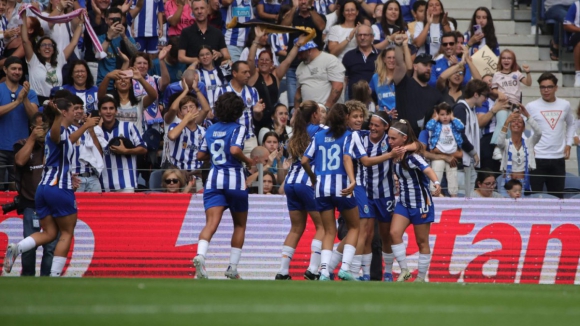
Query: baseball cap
{"type": "Point", "coordinates": [424, 58]}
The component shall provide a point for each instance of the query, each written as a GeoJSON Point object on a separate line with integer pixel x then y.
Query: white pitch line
{"type": "Point", "coordinates": [274, 309]}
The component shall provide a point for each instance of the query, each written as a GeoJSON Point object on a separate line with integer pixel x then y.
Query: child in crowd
{"type": "Point", "coordinates": [418, 12]}
{"type": "Point", "coordinates": [378, 14]}
{"type": "Point", "coordinates": [507, 81]}
{"type": "Point", "coordinates": [445, 138]}
{"type": "Point", "coordinates": [514, 188]}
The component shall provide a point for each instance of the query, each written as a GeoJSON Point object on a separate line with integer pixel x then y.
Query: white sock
{"type": "Point", "coordinates": [287, 253]}
{"type": "Point", "coordinates": [316, 248]}
{"type": "Point", "coordinates": [57, 266]}
{"type": "Point", "coordinates": [335, 259]}
{"type": "Point", "coordinates": [202, 248]}
{"type": "Point", "coordinates": [388, 259]}
{"type": "Point", "coordinates": [26, 244]}
{"type": "Point", "coordinates": [577, 73]}
{"type": "Point", "coordinates": [400, 253]}
{"type": "Point", "coordinates": [355, 264]}
{"type": "Point", "coordinates": [424, 260]}
{"type": "Point", "coordinates": [347, 257]}
{"type": "Point", "coordinates": [366, 264]}
{"type": "Point", "coordinates": [235, 254]}
{"type": "Point", "coordinates": [325, 257]}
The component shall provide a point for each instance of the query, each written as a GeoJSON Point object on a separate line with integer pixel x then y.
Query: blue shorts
{"type": "Point", "coordinates": [53, 201]}
{"type": "Point", "coordinates": [332, 202]}
{"type": "Point", "coordinates": [416, 215]}
{"type": "Point", "coordinates": [147, 44]}
{"type": "Point", "coordinates": [235, 200]}
{"type": "Point", "coordinates": [362, 200]}
{"type": "Point", "coordinates": [383, 208]}
{"type": "Point", "coordinates": [300, 197]}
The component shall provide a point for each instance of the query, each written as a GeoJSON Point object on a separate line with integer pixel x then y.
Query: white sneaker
{"type": "Point", "coordinates": [497, 154]}
{"type": "Point", "coordinates": [405, 275]}
{"type": "Point", "coordinates": [10, 257]}
{"type": "Point", "coordinates": [199, 263]}
{"type": "Point", "coordinates": [533, 30]}
{"type": "Point", "coordinates": [419, 280]}
{"type": "Point", "coordinates": [232, 273]}
{"type": "Point", "coordinates": [577, 81]}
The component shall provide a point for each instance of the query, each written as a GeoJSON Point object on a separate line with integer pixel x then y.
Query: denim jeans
{"type": "Point", "coordinates": [235, 52]}
{"type": "Point", "coordinates": [558, 13]}
{"type": "Point", "coordinates": [29, 257]}
{"type": "Point", "coordinates": [89, 184]}
{"type": "Point", "coordinates": [291, 86]}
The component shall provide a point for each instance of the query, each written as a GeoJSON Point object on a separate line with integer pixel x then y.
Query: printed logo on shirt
{"type": "Point", "coordinates": [552, 117]}
{"type": "Point", "coordinates": [248, 101]}
{"type": "Point", "coordinates": [384, 146]}
{"type": "Point", "coordinates": [90, 99]}
{"type": "Point", "coordinates": [366, 209]}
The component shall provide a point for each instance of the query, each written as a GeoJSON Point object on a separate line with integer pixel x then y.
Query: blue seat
{"type": "Point", "coordinates": [575, 197]}
{"type": "Point", "coordinates": [572, 183]}
{"type": "Point", "coordinates": [155, 180]}
{"type": "Point", "coordinates": [541, 195]}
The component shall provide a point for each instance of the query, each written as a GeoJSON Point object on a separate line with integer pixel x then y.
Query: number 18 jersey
{"type": "Point", "coordinates": [327, 153]}
{"type": "Point", "coordinates": [226, 171]}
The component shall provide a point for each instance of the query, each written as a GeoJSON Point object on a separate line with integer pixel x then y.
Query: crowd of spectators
{"type": "Point", "coordinates": [152, 71]}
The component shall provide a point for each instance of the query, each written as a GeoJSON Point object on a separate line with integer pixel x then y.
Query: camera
{"type": "Point", "coordinates": [115, 20]}
{"type": "Point", "coordinates": [6, 208]}
{"type": "Point", "coordinates": [514, 106]}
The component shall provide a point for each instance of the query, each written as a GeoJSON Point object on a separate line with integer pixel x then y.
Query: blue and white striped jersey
{"type": "Point", "coordinates": [413, 183]}
{"type": "Point", "coordinates": [184, 149]}
{"type": "Point", "coordinates": [212, 82]}
{"type": "Point", "coordinates": [57, 161]}
{"type": "Point", "coordinates": [121, 170]}
{"type": "Point", "coordinates": [358, 150]}
{"type": "Point", "coordinates": [77, 166]}
{"type": "Point", "coordinates": [327, 154]}
{"type": "Point", "coordinates": [321, 6]}
{"type": "Point", "coordinates": [250, 96]}
{"type": "Point", "coordinates": [380, 182]}
{"type": "Point", "coordinates": [279, 42]}
{"type": "Point", "coordinates": [296, 173]}
{"type": "Point", "coordinates": [226, 171]}
{"type": "Point", "coordinates": [244, 11]}
{"type": "Point", "coordinates": [145, 23]}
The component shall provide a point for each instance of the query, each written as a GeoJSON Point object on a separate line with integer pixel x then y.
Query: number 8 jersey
{"type": "Point", "coordinates": [226, 171]}
{"type": "Point", "coordinates": [327, 154]}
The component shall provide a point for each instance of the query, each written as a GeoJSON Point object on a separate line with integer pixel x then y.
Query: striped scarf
{"type": "Point", "coordinates": [61, 19]}
{"type": "Point", "coordinates": [508, 170]}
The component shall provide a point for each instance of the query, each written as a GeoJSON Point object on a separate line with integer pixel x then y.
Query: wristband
{"type": "Point", "coordinates": [107, 38]}
{"type": "Point", "coordinates": [436, 182]}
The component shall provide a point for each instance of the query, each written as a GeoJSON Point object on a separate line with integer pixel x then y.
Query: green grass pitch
{"type": "Point", "coordinates": [107, 302]}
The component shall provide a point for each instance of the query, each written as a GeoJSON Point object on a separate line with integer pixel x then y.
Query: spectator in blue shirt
{"type": "Point", "coordinates": [450, 58]}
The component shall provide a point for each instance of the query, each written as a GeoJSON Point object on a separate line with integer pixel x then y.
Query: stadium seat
{"type": "Point", "coordinates": [575, 197]}
{"type": "Point", "coordinates": [500, 186]}
{"type": "Point", "coordinates": [572, 183]}
{"type": "Point", "coordinates": [155, 180]}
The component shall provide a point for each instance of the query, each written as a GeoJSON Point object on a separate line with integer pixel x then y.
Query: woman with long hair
{"type": "Point", "coordinates": [485, 185]}
{"type": "Point", "coordinates": [55, 199]}
{"type": "Point", "coordinates": [382, 83]}
{"type": "Point", "coordinates": [223, 145]}
{"type": "Point", "coordinates": [266, 75]}
{"type": "Point", "coordinates": [300, 194]}
{"type": "Point", "coordinates": [173, 182]}
{"type": "Point", "coordinates": [80, 82]}
{"type": "Point", "coordinates": [392, 22]}
{"type": "Point", "coordinates": [481, 32]}
{"type": "Point", "coordinates": [518, 155]}
{"type": "Point", "coordinates": [130, 107]}
{"type": "Point", "coordinates": [436, 20]}
{"type": "Point", "coordinates": [261, 41]}
{"type": "Point", "coordinates": [209, 74]}
{"type": "Point", "coordinates": [414, 204]}
{"type": "Point", "coordinates": [45, 60]}
{"type": "Point", "coordinates": [335, 181]}
{"type": "Point", "coordinates": [341, 37]}
{"type": "Point", "coordinates": [280, 125]}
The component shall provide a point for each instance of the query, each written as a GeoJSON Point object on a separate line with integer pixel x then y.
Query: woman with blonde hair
{"type": "Point", "coordinates": [173, 181]}
{"type": "Point", "coordinates": [382, 83]}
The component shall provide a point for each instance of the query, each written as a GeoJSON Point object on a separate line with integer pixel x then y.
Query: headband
{"type": "Point", "coordinates": [402, 133]}
{"type": "Point", "coordinates": [378, 116]}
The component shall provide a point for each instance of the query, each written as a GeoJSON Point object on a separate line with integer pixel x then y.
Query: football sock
{"type": "Point", "coordinates": [388, 259]}
{"type": "Point", "coordinates": [355, 264]}
{"type": "Point", "coordinates": [366, 264]}
{"type": "Point", "coordinates": [235, 254]}
{"type": "Point", "coordinates": [26, 244]}
{"type": "Point", "coordinates": [202, 248]}
{"type": "Point", "coordinates": [325, 256]}
{"type": "Point", "coordinates": [400, 253]}
{"type": "Point", "coordinates": [287, 253]}
{"type": "Point", "coordinates": [347, 256]}
{"type": "Point", "coordinates": [335, 259]}
{"type": "Point", "coordinates": [424, 260]}
{"type": "Point", "coordinates": [316, 248]}
{"type": "Point", "coordinates": [57, 266]}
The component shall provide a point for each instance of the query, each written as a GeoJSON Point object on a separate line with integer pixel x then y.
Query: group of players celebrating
{"type": "Point", "coordinates": [334, 166]}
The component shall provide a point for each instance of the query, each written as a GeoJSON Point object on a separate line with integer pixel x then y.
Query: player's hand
{"type": "Point", "coordinates": [348, 190]}
{"type": "Point", "coordinates": [437, 191]}
{"type": "Point", "coordinates": [259, 107]}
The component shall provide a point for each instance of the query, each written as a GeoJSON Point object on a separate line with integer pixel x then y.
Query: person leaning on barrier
{"type": "Point", "coordinates": [29, 163]}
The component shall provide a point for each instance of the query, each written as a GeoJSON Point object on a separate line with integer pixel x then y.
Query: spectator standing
{"type": "Point", "coordinates": [320, 76]}
{"type": "Point", "coordinates": [235, 37]}
{"type": "Point", "coordinates": [359, 63]}
{"type": "Point", "coordinates": [481, 32]}
{"type": "Point", "coordinates": [18, 103]}
{"type": "Point", "coordinates": [280, 125]}
{"type": "Point", "coordinates": [427, 37]}
{"type": "Point", "coordinates": [147, 26]}
{"type": "Point", "coordinates": [572, 25]}
{"type": "Point", "coordinates": [211, 76]}
{"type": "Point", "coordinates": [215, 14]}
{"type": "Point", "coordinates": [174, 67]}
{"type": "Point", "coordinates": [341, 37]}
{"type": "Point", "coordinates": [556, 120]}
{"type": "Point", "coordinates": [391, 22]}
{"type": "Point", "coordinates": [179, 16]}
{"type": "Point", "coordinates": [450, 58]}
{"type": "Point", "coordinates": [556, 10]}
{"type": "Point", "coordinates": [82, 84]}
{"type": "Point", "coordinates": [304, 15]}
{"type": "Point", "coordinates": [415, 97]}
{"type": "Point", "coordinates": [98, 21]}
{"type": "Point", "coordinates": [418, 11]}
{"type": "Point", "coordinates": [29, 163]}
{"type": "Point", "coordinates": [201, 33]}
{"type": "Point", "coordinates": [120, 174]}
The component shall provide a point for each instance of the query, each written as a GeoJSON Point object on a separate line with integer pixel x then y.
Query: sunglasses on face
{"type": "Point", "coordinates": [170, 181]}
{"type": "Point", "coordinates": [448, 44]}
